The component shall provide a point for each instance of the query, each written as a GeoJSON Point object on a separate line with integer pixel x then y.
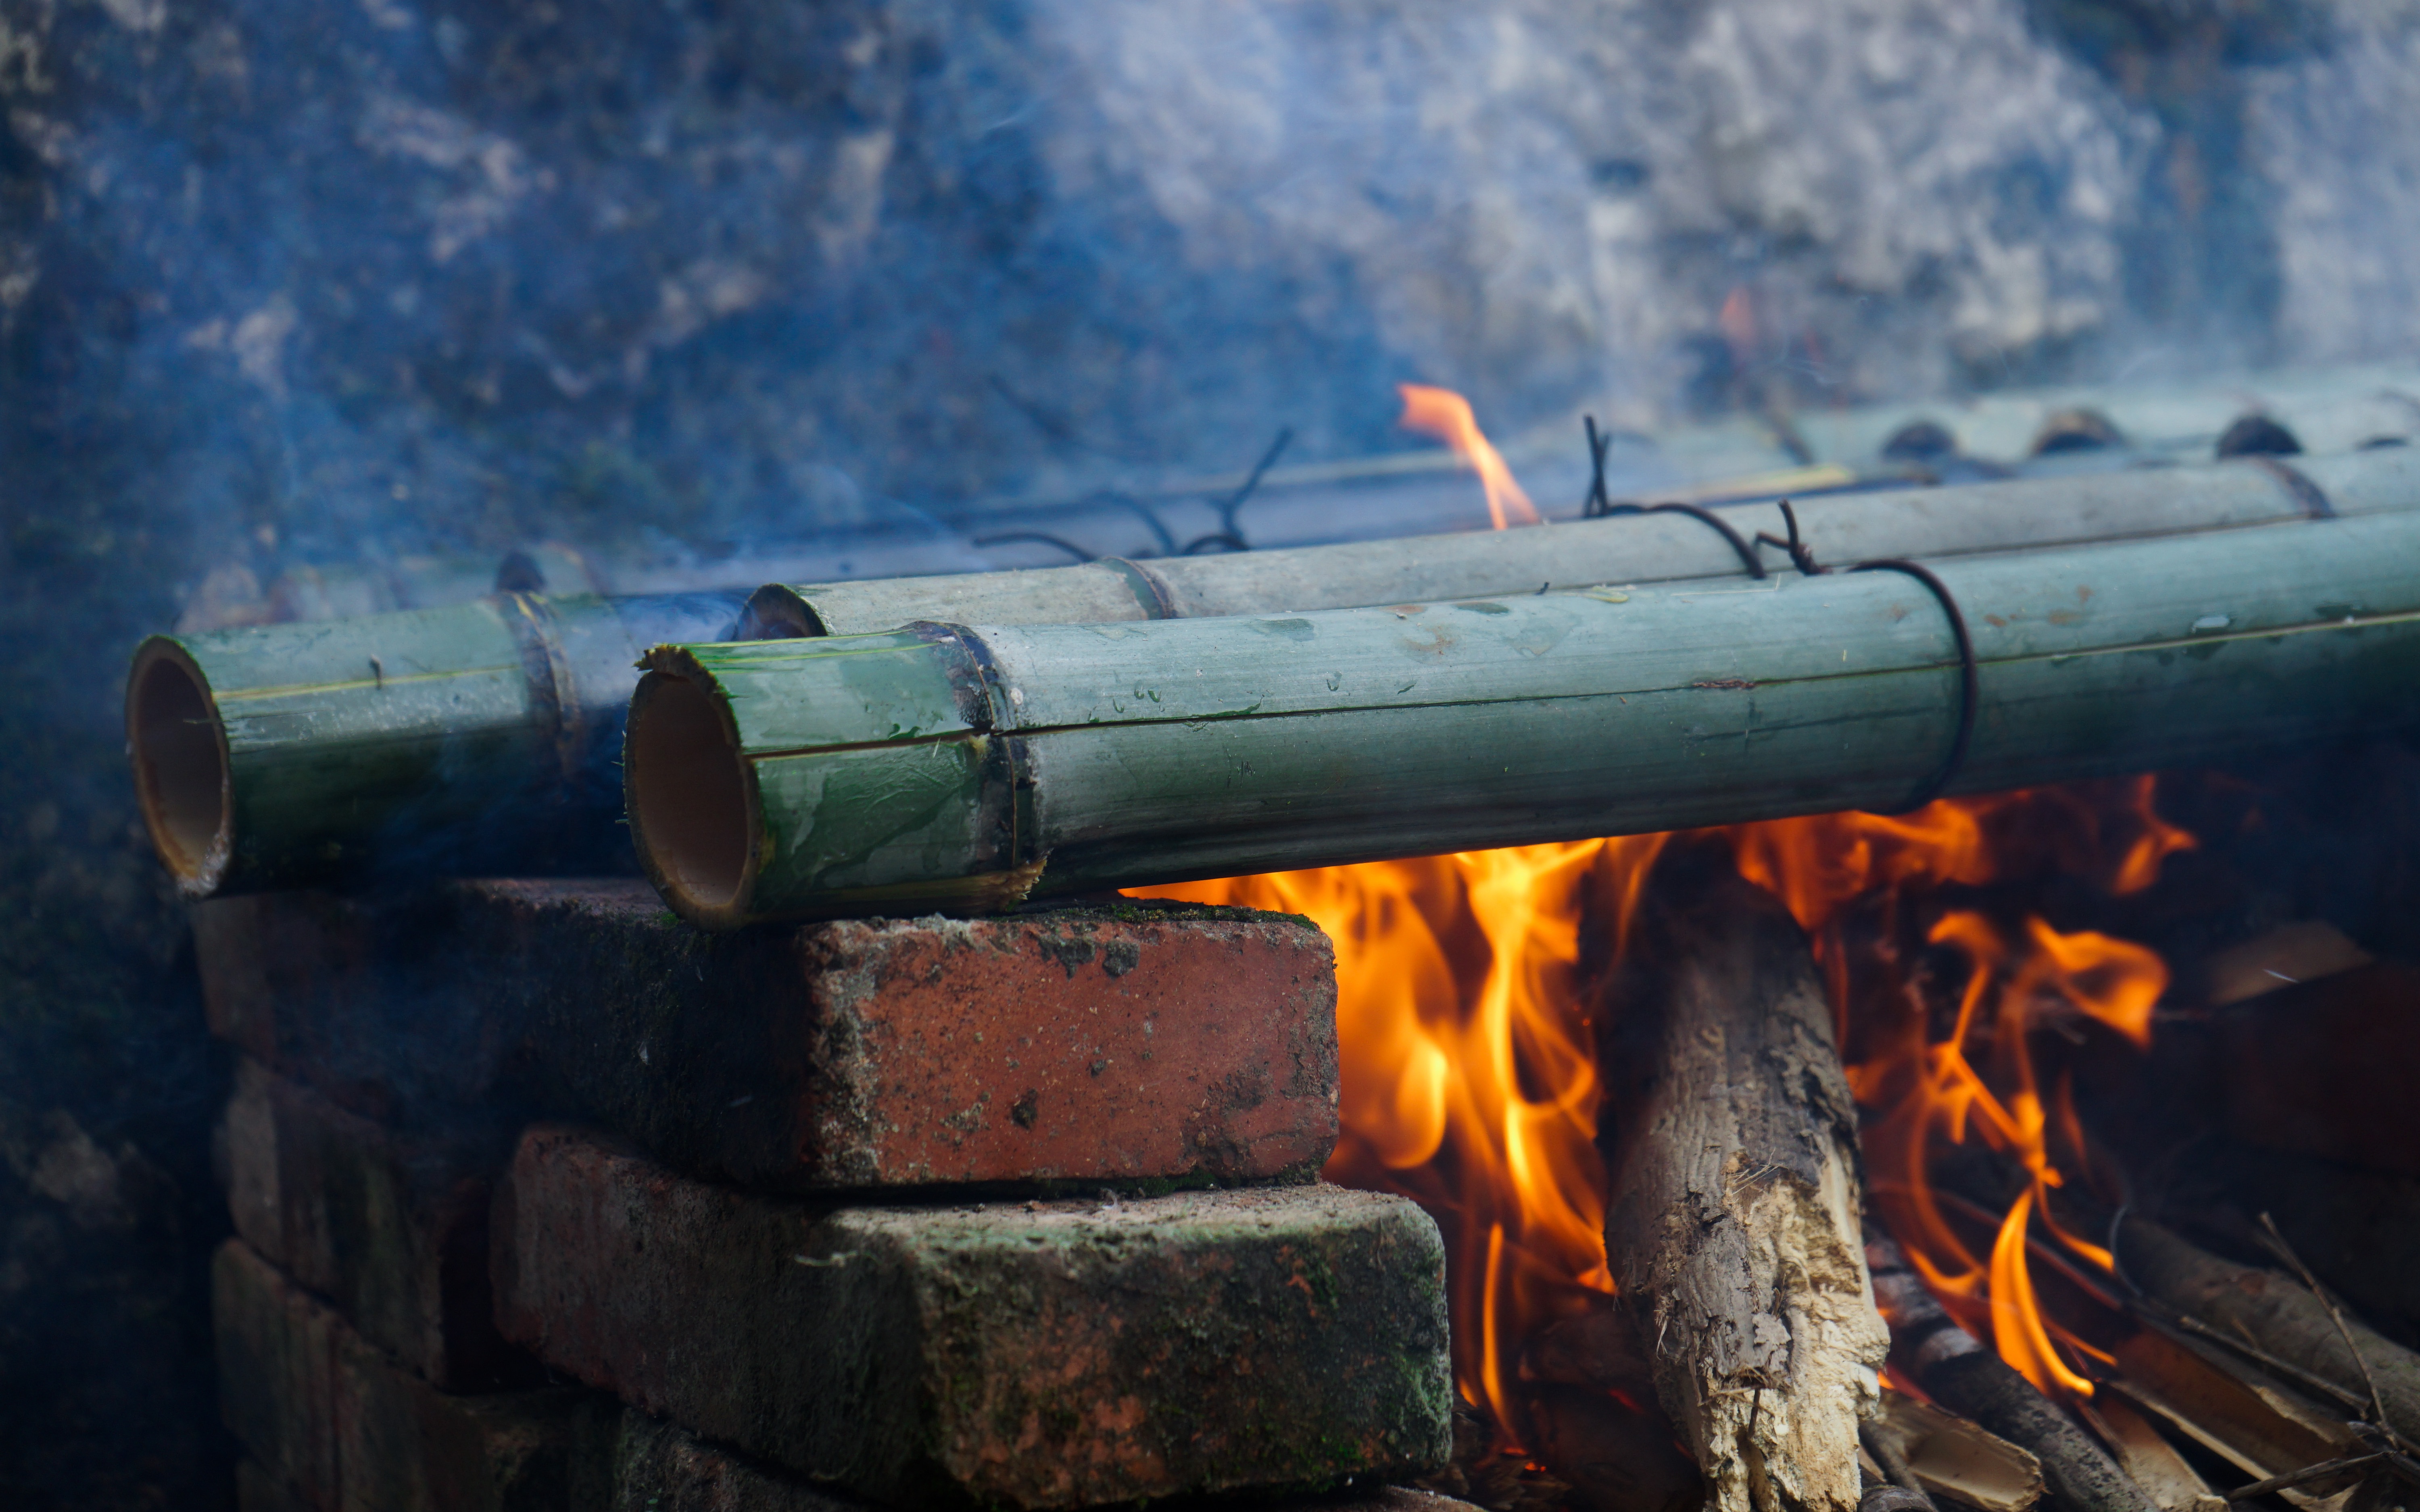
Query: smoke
{"type": "Point", "coordinates": [1544, 204]}
{"type": "Point", "coordinates": [286, 283]}
{"type": "Point", "coordinates": [2345, 183]}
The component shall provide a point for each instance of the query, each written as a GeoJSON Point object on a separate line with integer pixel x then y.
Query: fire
{"type": "Point", "coordinates": [1470, 1076]}
{"type": "Point", "coordinates": [1446, 415]}
{"type": "Point", "coordinates": [1470, 1080]}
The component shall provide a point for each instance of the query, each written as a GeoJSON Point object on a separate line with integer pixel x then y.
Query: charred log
{"type": "Point", "coordinates": [1956, 1370]}
{"type": "Point", "coordinates": [1595, 1421]}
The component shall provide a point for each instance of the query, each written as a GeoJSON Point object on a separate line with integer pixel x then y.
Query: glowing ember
{"type": "Point", "coordinates": [1470, 1080]}
{"type": "Point", "coordinates": [1446, 415]}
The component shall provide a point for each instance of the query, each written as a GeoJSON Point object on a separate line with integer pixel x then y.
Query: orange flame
{"type": "Point", "coordinates": [1446, 415]}
{"type": "Point", "coordinates": [1470, 1080]}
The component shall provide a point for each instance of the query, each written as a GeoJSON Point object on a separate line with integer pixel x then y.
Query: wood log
{"type": "Point", "coordinates": [483, 735]}
{"type": "Point", "coordinates": [2276, 1315]}
{"type": "Point", "coordinates": [1956, 1370]}
{"type": "Point", "coordinates": [1733, 1196]}
{"type": "Point", "coordinates": [1594, 1419]}
{"type": "Point", "coordinates": [1952, 1458]}
{"type": "Point", "coordinates": [1628, 550]}
{"type": "Point", "coordinates": [2358, 1230]}
{"type": "Point", "coordinates": [2148, 1460]}
{"type": "Point", "coordinates": [963, 768]}
{"type": "Point", "coordinates": [2258, 1426]}
{"type": "Point", "coordinates": [1613, 1458]}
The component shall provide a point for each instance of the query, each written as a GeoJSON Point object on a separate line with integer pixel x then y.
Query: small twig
{"type": "Point", "coordinates": [2344, 1330]}
{"type": "Point", "coordinates": [2302, 1476]}
{"type": "Point", "coordinates": [2406, 1469]}
{"type": "Point", "coordinates": [2187, 1323]}
{"type": "Point", "coordinates": [2143, 1304]}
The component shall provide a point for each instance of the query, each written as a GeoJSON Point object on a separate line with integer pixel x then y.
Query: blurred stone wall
{"type": "Point", "coordinates": [285, 282]}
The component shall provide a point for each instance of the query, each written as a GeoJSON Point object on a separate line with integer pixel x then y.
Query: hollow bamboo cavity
{"type": "Point", "coordinates": [1635, 548]}
{"type": "Point", "coordinates": [480, 735]}
{"type": "Point", "coordinates": [940, 766]}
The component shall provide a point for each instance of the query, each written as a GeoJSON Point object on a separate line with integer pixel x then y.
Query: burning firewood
{"type": "Point", "coordinates": [2311, 1338]}
{"type": "Point", "coordinates": [1591, 1401]}
{"type": "Point", "coordinates": [1732, 1206]}
{"type": "Point", "coordinates": [1952, 1458]}
{"type": "Point", "coordinates": [2254, 1426]}
{"type": "Point", "coordinates": [1960, 1372]}
{"type": "Point", "coordinates": [2148, 1459]}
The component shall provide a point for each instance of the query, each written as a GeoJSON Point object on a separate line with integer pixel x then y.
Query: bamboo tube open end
{"type": "Point", "coordinates": [778, 612]}
{"type": "Point", "coordinates": [178, 749]}
{"type": "Point", "coordinates": [689, 798]}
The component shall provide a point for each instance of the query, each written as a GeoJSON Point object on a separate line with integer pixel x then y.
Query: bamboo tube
{"type": "Point", "coordinates": [954, 767]}
{"type": "Point", "coordinates": [482, 733]}
{"type": "Point", "coordinates": [339, 591]}
{"type": "Point", "coordinates": [1630, 550]}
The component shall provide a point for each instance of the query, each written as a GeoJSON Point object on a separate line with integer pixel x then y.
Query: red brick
{"type": "Point", "coordinates": [1080, 1045]}
{"type": "Point", "coordinates": [389, 1225]}
{"type": "Point", "coordinates": [336, 1425]}
{"type": "Point", "coordinates": [357, 995]}
{"type": "Point", "coordinates": [1021, 1355]}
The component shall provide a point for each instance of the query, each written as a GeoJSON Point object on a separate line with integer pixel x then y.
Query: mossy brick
{"type": "Point", "coordinates": [388, 1224]}
{"type": "Point", "coordinates": [334, 1423]}
{"type": "Point", "coordinates": [661, 1467]}
{"type": "Point", "coordinates": [1132, 1043]}
{"type": "Point", "coordinates": [1020, 1355]}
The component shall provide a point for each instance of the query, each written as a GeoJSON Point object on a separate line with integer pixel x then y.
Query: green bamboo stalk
{"type": "Point", "coordinates": [967, 768]}
{"type": "Point", "coordinates": [2023, 515]}
{"type": "Point", "coordinates": [480, 735]}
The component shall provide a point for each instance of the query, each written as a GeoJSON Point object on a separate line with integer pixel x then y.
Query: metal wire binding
{"type": "Point", "coordinates": [1802, 556]}
{"type": "Point", "coordinates": [1601, 505]}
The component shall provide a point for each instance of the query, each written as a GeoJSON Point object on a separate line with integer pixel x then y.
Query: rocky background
{"type": "Point", "coordinates": [285, 282]}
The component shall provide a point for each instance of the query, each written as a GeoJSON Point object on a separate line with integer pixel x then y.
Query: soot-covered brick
{"type": "Point", "coordinates": [1015, 1354]}
{"type": "Point", "coordinates": [1136, 1043]}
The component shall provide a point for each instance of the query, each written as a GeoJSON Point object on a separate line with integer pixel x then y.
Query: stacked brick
{"type": "Point", "coordinates": [544, 1201]}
